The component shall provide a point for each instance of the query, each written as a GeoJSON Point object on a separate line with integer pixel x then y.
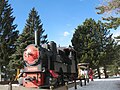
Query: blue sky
{"type": "Point", "coordinates": [59, 17]}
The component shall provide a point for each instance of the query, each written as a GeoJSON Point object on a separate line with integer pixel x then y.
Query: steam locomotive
{"type": "Point", "coordinates": [48, 64]}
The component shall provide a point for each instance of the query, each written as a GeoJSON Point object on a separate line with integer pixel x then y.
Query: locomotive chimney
{"type": "Point", "coordinates": [35, 31]}
{"type": "Point", "coordinates": [36, 37]}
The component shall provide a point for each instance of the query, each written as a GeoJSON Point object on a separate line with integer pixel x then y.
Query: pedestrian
{"type": "Point", "coordinates": [91, 74]}
{"type": "Point", "coordinates": [20, 77]}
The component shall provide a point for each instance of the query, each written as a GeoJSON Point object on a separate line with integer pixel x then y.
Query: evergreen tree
{"type": "Point", "coordinates": [8, 34]}
{"type": "Point", "coordinates": [84, 42]}
{"type": "Point", "coordinates": [111, 7]}
{"type": "Point", "coordinates": [116, 62]}
{"type": "Point", "coordinates": [27, 37]}
{"type": "Point", "coordinates": [93, 43]}
{"type": "Point", "coordinates": [117, 39]}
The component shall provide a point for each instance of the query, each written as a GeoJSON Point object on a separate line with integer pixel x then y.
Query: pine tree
{"type": "Point", "coordinates": [110, 7]}
{"type": "Point", "coordinates": [116, 62]}
{"type": "Point", "coordinates": [8, 34]}
{"type": "Point", "coordinates": [117, 38]}
{"type": "Point", "coordinates": [27, 37]}
{"type": "Point", "coordinates": [93, 44]}
{"type": "Point", "coordinates": [84, 41]}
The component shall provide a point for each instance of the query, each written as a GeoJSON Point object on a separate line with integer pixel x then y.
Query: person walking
{"type": "Point", "coordinates": [91, 74]}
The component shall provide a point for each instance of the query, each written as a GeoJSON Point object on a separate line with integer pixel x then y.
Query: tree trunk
{"type": "Point", "coordinates": [105, 69]}
{"type": "Point", "coordinates": [98, 70]}
{"type": "Point", "coordinates": [0, 74]}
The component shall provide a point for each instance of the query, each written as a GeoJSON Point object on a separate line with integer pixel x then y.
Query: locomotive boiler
{"type": "Point", "coordinates": [48, 64]}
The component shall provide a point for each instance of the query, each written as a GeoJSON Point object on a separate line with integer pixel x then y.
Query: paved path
{"type": "Point", "coordinates": [101, 84]}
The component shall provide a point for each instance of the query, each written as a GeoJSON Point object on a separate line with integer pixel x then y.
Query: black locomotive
{"type": "Point", "coordinates": [48, 64]}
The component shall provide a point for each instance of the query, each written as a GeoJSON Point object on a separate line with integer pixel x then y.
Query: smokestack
{"type": "Point", "coordinates": [36, 43]}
